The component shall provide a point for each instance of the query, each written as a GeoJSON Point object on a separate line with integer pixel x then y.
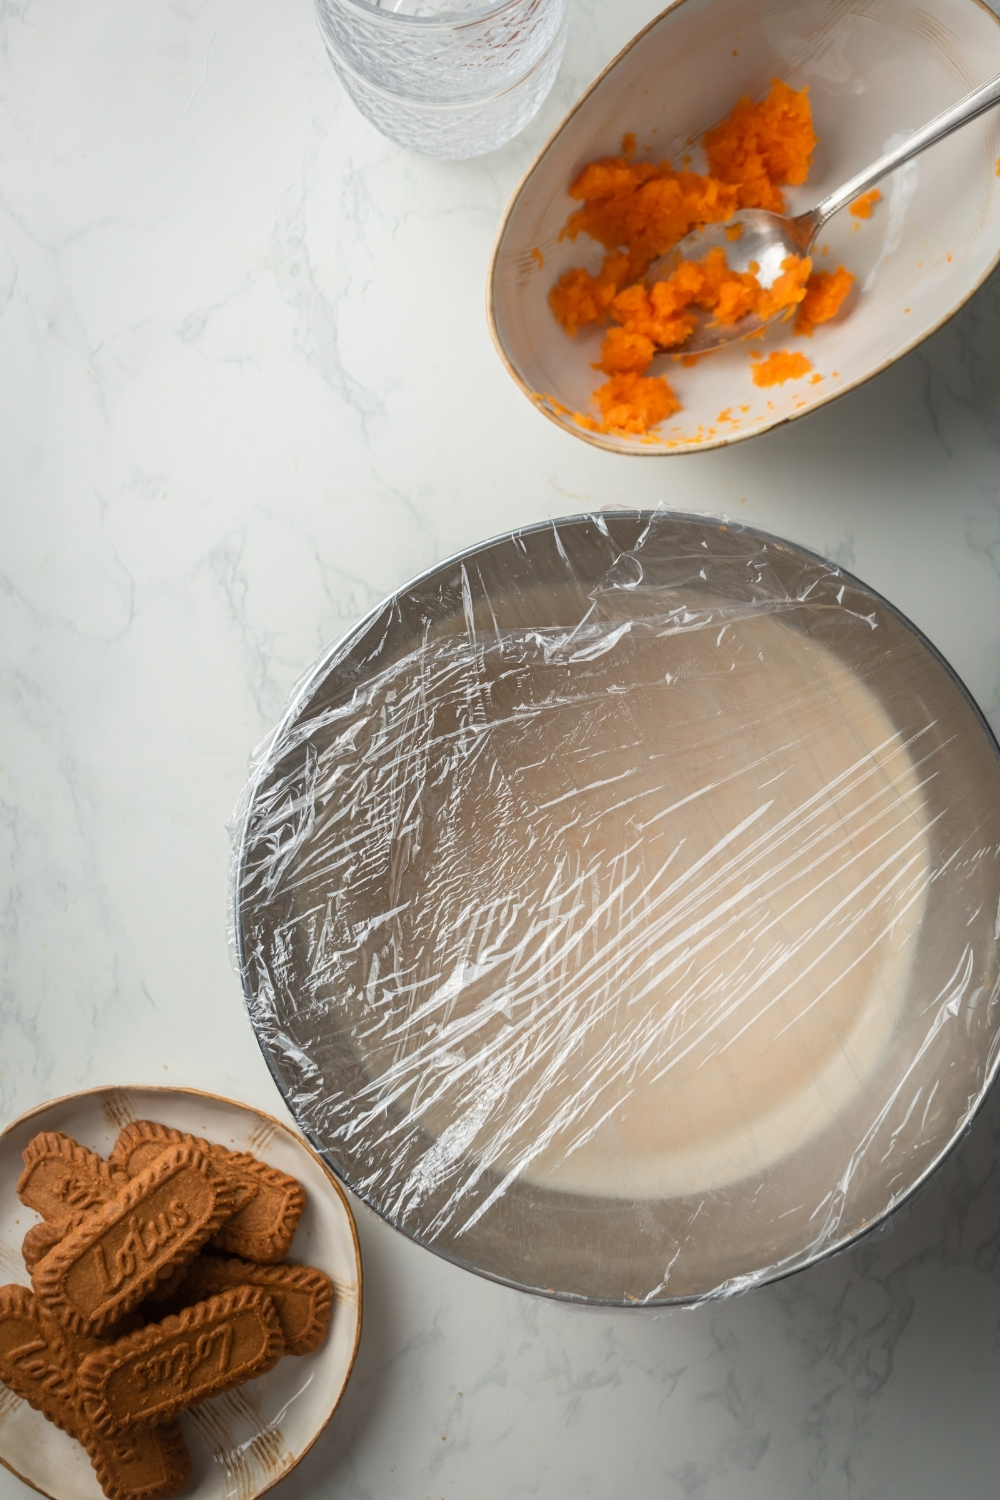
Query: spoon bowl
{"type": "Point", "coordinates": [754, 240]}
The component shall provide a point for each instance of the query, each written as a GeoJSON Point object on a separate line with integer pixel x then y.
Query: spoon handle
{"type": "Point", "coordinates": [969, 108]}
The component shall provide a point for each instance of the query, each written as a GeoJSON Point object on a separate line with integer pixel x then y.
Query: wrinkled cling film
{"type": "Point", "coordinates": [617, 908]}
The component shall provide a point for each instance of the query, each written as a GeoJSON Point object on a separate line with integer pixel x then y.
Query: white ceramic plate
{"type": "Point", "coordinates": [245, 1441]}
{"type": "Point", "coordinates": [874, 68]}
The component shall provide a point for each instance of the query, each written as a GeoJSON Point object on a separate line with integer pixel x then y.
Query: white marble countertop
{"type": "Point", "coordinates": [247, 390]}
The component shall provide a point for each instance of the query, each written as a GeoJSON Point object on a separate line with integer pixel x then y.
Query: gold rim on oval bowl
{"type": "Point", "coordinates": [874, 68]}
{"type": "Point", "coordinates": [238, 1449]}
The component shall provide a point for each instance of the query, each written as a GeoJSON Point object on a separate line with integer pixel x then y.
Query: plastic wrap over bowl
{"type": "Point", "coordinates": [617, 908]}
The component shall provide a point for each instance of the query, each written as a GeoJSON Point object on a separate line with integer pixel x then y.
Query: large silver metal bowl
{"type": "Point", "coordinates": [617, 908]}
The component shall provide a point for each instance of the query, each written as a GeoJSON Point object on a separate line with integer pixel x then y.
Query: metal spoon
{"type": "Point", "coordinates": [768, 239]}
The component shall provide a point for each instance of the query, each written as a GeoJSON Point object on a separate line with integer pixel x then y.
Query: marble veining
{"type": "Point", "coordinates": [247, 389]}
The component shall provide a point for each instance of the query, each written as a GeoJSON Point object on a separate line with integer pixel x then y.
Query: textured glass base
{"type": "Point", "coordinates": [459, 130]}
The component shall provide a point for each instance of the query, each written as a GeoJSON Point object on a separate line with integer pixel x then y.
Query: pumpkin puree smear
{"type": "Point", "coordinates": [640, 210]}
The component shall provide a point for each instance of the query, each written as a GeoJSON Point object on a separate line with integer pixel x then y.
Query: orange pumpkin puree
{"type": "Point", "coordinates": [640, 210]}
{"type": "Point", "coordinates": [862, 207]}
{"type": "Point", "coordinates": [780, 366]}
{"type": "Point", "coordinates": [634, 403]}
{"type": "Point", "coordinates": [659, 318]}
{"type": "Point", "coordinates": [825, 291]}
{"type": "Point", "coordinates": [762, 146]}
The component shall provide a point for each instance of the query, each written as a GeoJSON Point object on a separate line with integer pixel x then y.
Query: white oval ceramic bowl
{"type": "Point", "coordinates": [874, 68]}
{"type": "Point", "coordinates": [243, 1442]}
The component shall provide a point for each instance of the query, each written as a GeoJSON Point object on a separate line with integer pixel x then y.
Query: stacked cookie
{"type": "Point", "coordinates": [157, 1281]}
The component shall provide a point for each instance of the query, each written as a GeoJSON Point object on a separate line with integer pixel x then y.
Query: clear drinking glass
{"type": "Point", "coordinates": [447, 78]}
